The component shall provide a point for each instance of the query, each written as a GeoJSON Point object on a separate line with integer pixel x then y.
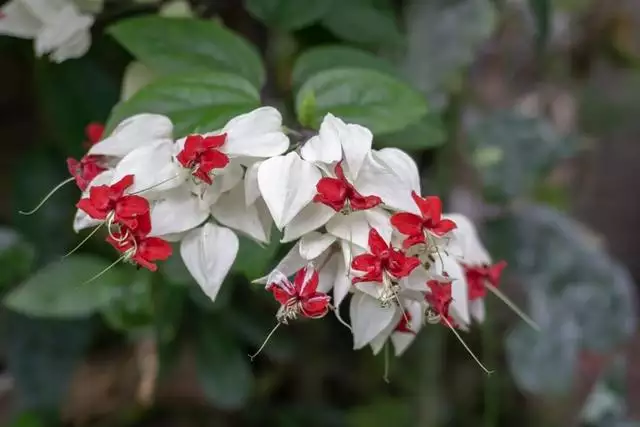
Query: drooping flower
{"type": "Point", "coordinates": [300, 298]}
{"type": "Point", "coordinates": [200, 154]}
{"type": "Point", "coordinates": [479, 275]}
{"type": "Point", "coordinates": [85, 170]}
{"type": "Point", "coordinates": [439, 299]}
{"type": "Point", "coordinates": [108, 202]}
{"type": "Point", "coordinates": [382, 259]}
{"type": "Point", "coordinates": [139, 248]}
{"type": "Point", "coordinates": [57, 27]}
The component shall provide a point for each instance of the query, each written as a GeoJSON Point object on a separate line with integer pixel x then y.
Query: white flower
{"type": "Point", "coordinates": [403, 330]}
{"type": "Point", "coordinates": [57, 27]}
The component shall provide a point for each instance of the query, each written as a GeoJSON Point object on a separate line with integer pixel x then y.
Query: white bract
{"type": "Point", "coordinates": [57, 27]}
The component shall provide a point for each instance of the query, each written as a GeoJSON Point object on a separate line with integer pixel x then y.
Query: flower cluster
{"type": "Point", "coordinates": [354, 216]}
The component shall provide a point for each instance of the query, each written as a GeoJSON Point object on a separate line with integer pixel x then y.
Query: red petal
{"type": "Point", "coordinates": [213, 159]}
{"type": "Point", "coordinates": [87, 206]}
{"type": "Point", "coordinates": [117, 189]}
{"type": "Point", "coordinates": [73, 166]}
{"type": "Point", "coordinates": [413, 240]}
{"type": "Point", "coordinates": [361, 203]}
{"type": "Point", "coordinates": [443, 227]}
{"type": "Point", "coordinates": [306, 282]}
{"type": "Point", "coordinates": [332, 189]}
{"type": "Point", "coordinates": [94, 132]}
{"type": "Point", "coordinates": [215, 141]}
{"type": "Point", "coordinates": [315, 306]}
{"type": "Point", "coordinates": [203, 176]}
{"type": "Point", "coordinates": [340, 172]}
{"type": "Point", "coordinates": [377, 245]}
{"type": "Point", "coordinates": [365, 262]}
{"type": "Point", "coordinates": [494, 273]}
{"type": "Point", "coordinates": [131, 206]}
{"type": "Point", "coordinates": [279, 294]}
{"type": "Point", "coordinates": [430, 207]}
{"type": "Point", "coordinates": [407, 223]}
{"type": "Point", "coordinates": [192, 146]}
{"type": "Point", "coordinates": [403, 265]}
{"type": "Point", "coordinates": [138, 259]}
{"type": "Point", "coordinates": [154, 248]}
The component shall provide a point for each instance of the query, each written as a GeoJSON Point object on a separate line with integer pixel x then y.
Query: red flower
{"type": "Point", "coordinates": [404, 323]}
{"type": "Point", "coordinates": [478, 276]}
{"type": "Point", "coordinates": [105, 200]}
{"type": "Point", "coordinates": [382, 258]}
{"type": "Point", "coordinates": [200, 154]}
{"type": "Point", "coordinates": [85, 170]}
{"type": "Point", "coordinates": [336, 192]}
{"type": "Point", "coordinates": [414, 226]}
{"type": "Point", "coordinates": [439, 299]}
{"type": "Point", "coordinates": [301, 296]}
{"type": "Point", "coordinates": [142, 250]}
{"type": "Point", "coordinates": [93, 132]}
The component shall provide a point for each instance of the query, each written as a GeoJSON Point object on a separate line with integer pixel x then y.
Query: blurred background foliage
{"type": "Point", "coordinates": [522, 114]}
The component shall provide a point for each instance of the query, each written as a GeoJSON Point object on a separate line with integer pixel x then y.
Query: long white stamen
{"type": "Point", "coordinates": [513, 307]}
{"type": "Point", "coordinates": [95, 230]}
{"type": "Point", "coordinates": [125, 255]}
{"type": "Point", "coordinates": [336, 311]}
{"type": "Point", "coordinates": [154, 185]}
{"type": "Point", "coordinates": [47, 197]}
{"type": "Point", "coordinates": [488, 372]}
{"type": "Point", "coordinates": [275, 328]}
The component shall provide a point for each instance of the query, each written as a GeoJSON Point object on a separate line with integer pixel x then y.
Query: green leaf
{"type": "Point", "coordinates": [288, 14]}
{"type": "Point", "coordinates": [183, 45]}
{"type": "Point", "coordinates": [370, 98]}
{"type": "Point", "coordinates": [307, 112]}
{"type": "Point", "coordinates": [324, 58]}
{"type": "Point", "coordinates": [74, 94]}
{"type": "Point", "coordinates": [443, 37]}
{"type": "Point", "coordinates": [42, 355]}
{"type": "Point", "coordinates": [16, 257]}
{"type": "Point", "coordinates": [513, 152]}
{"type": "Point", "coordinates": [223, 368]}
{"type": "Point", "coordinates": [426, 134]}
{"type": "Point", "coordinates": [542, 12]}
{"type": "Point", "coordinates": [195, 101]}
{"type": "Point", "coordinates": [359, 21]}
{"type": "Point", "coordinates": [132, 310]}
{"type": "Point", "coordinates": [58, 289]}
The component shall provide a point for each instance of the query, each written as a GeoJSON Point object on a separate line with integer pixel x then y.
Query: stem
{"type": "Point", "coordinates": [491, 392]}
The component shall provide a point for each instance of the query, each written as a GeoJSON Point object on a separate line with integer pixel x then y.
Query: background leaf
{"type": "Point", "coordinates": [288, 14]}
{"type": "Point", "coordinates": [223, 368]}
{"type": "Point", "coordinates": [513, 152]}
{"type": "Point", "coordinates": [16, 257]}
{"type": "Point", "coordinates": [372, 99]}
{"type": "Point", "coordinates": [426, 134]}
{"type": "Point", "coordinates": [360, 21]}
{"type": "Point", "coordinates": [196, 101]}
{"type": "Point", "coordinates": [322, 58]}
{"type": "Point", "coordinates": [443, 36]}
{"type": "Point", "coordinates": [182, 45]}
{"type": "Point", "coordinates": [41, 357]}
{"type": "Point", "coordinates": [58, 290]}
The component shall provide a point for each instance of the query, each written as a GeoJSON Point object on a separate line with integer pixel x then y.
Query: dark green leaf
{"type": "Point", "coordinates": [194, 102]}
{"type": "Point", "coordinates": [372, 99]}
{"type": "Point", "coordinates": [542, 12]}
{"type": "Point", "coordinates": [49, 229]}
{"type": "Point", "coordinates": [223, 368]}
{"type": "Point", "coordinates": [132, 309]}
{"type": "Point", "coordinates": [323, 58]}
{"type": "Point", "coordinates": [288, 14]}
{"type": "Point", "coordinates": [41, 357]}
{"type": "Point", "coordinates": [427, 133]}
{"type": "Point", "coordinates": [182, 45]}
{"type": "Point", "coordinates": [58, 290]}
{"type": "Point", "coordinates": [513, 151]}
{"type": "Point", "coordinates": [174, 270]}
{"type": "Point", "coordinates": [74, 94]}
{"type": "Point", "coordinates": [16, 257]}
{"type": "Point", "coordinates": [359, 21]}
